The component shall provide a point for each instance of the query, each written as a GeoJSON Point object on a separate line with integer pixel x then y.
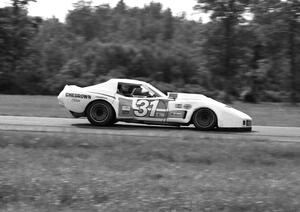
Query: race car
{"type": "Point", "coordinates": [136, 101]}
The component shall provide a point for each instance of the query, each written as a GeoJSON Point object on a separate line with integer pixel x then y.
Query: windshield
{"type": "Point", "coordinates": [155, 90]}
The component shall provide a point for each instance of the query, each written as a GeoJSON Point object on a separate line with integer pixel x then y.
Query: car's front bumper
{"type": "Point", "coordinates": [235, 129]}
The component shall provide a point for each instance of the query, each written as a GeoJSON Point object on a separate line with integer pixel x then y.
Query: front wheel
{"type": "Point", "coordinates": [100, 113]}
{"type": "Point", "coordinates": [204, 119]}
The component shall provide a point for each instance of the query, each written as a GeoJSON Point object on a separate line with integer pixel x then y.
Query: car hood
{"type": "Point", "coordinates": [194, 97]}
{"type": "Point", "coordinates": [188, 97]}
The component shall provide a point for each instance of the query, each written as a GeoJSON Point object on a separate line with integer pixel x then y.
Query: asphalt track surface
{"type": "Point", "coordinates": [82, 126]}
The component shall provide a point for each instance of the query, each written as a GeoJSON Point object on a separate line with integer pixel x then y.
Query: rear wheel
{"type": "Point", "coordinates": [204, 119]}
{"type": "Point", "coordinates": [100, 113]}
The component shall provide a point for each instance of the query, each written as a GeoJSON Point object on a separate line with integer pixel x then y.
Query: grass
{"type": "Point", "coordinates": [271, 114]}
{"type": "Point", "coordinates": [25, 105]}
{"type": "Point", "coordinates": [66, 172]}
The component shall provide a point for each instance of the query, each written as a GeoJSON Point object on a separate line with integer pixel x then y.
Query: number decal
{"type": "Point", "coordinates": [143, 106]}
{"type": "Point", "coordinates": [154, 105]}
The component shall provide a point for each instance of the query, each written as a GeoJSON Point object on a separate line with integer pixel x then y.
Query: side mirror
{"type": "Point", "coordinates": [172, 96]}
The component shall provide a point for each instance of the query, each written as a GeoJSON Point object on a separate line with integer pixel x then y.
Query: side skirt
{"type": "Point", "coordinates": [150, 122]}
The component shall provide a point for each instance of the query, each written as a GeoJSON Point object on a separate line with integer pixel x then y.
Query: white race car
{"type": "Point", "coordinates": [139, 102]}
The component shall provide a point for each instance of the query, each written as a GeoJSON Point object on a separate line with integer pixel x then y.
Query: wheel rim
{"type": "Point", "coordinates": [99, 113]}
{"type": "Point", "coordinates": [205, 118]}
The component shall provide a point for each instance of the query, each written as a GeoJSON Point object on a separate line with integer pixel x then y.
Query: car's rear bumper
{"type": "Point", "coordinates": [60, 98]}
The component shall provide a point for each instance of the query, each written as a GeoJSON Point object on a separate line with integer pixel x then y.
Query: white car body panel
{"type": "Point", "coordinates": [228, 117]}
{"type": "Point", "coordinates": [176, 108]}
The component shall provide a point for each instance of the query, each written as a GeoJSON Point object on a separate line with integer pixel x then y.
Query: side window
{"type": "Point", "coordinates": [125, 89]}
{"type": "Point", "coordinates": [140, 92]}
{"type": "Point", "coordinates": [133, 90]}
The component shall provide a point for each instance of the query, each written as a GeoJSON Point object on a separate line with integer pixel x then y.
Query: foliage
{"type": "Point", "coordinates": [226, 57]}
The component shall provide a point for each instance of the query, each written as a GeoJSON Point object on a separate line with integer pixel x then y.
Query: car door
{"type": "Point", "coordinates": [150, 109]}
{"type": "Point", "coordinates": [143, 109]}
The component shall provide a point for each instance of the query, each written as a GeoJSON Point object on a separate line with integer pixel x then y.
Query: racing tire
{"type": "Point", "coordinates": [204, 119]}
{"type": "Point", "coordinates": [100, 113]}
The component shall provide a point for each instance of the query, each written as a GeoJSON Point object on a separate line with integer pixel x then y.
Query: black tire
{"type": "Point", "coordinates": [100, 113]}
{"type": "Point", "coordinates": [204, 119]}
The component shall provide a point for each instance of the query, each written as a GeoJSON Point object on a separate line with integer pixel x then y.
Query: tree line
{"type": "Point", "coordinates": [249, 49]}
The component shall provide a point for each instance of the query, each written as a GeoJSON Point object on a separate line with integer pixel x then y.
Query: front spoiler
{"type": "Point", "coordinates": [235, 129]}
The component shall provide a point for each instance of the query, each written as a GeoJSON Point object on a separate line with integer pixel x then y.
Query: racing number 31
{"type": "Point", "coordinates": [143, 106]}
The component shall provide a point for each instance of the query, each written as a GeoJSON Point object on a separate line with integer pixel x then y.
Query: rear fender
{"type": "Point", "coordinates": [77, 99]}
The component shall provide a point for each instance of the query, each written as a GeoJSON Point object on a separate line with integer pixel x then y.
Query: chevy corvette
{"type": "Point", "coordinates": [139, 102]}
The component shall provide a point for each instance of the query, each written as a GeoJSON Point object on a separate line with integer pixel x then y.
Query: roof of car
{"type": "Point", "coordinates": [110, 86]}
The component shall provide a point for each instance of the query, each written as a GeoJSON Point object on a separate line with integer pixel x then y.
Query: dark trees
{"type": "Point", "coordinates": [226, 16]}
{"type": "Point", "coordinates": [16, 32]}
{"type": "Point", "coordinates": [278, 24]}
{"type": "Point", "coordinates": [249, 45]}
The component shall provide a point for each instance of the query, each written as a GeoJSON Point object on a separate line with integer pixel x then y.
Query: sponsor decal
{"type": "Point", "coordinates": [187, 106]}
{"type": "Point", "coordinates": [126, 108]}
{"type": "Point", "coordinates": [177, 114]}
{"type": "Point", "coordinates": [76, 95]}
{"type": "Point", "coordinates": [178, 106]}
